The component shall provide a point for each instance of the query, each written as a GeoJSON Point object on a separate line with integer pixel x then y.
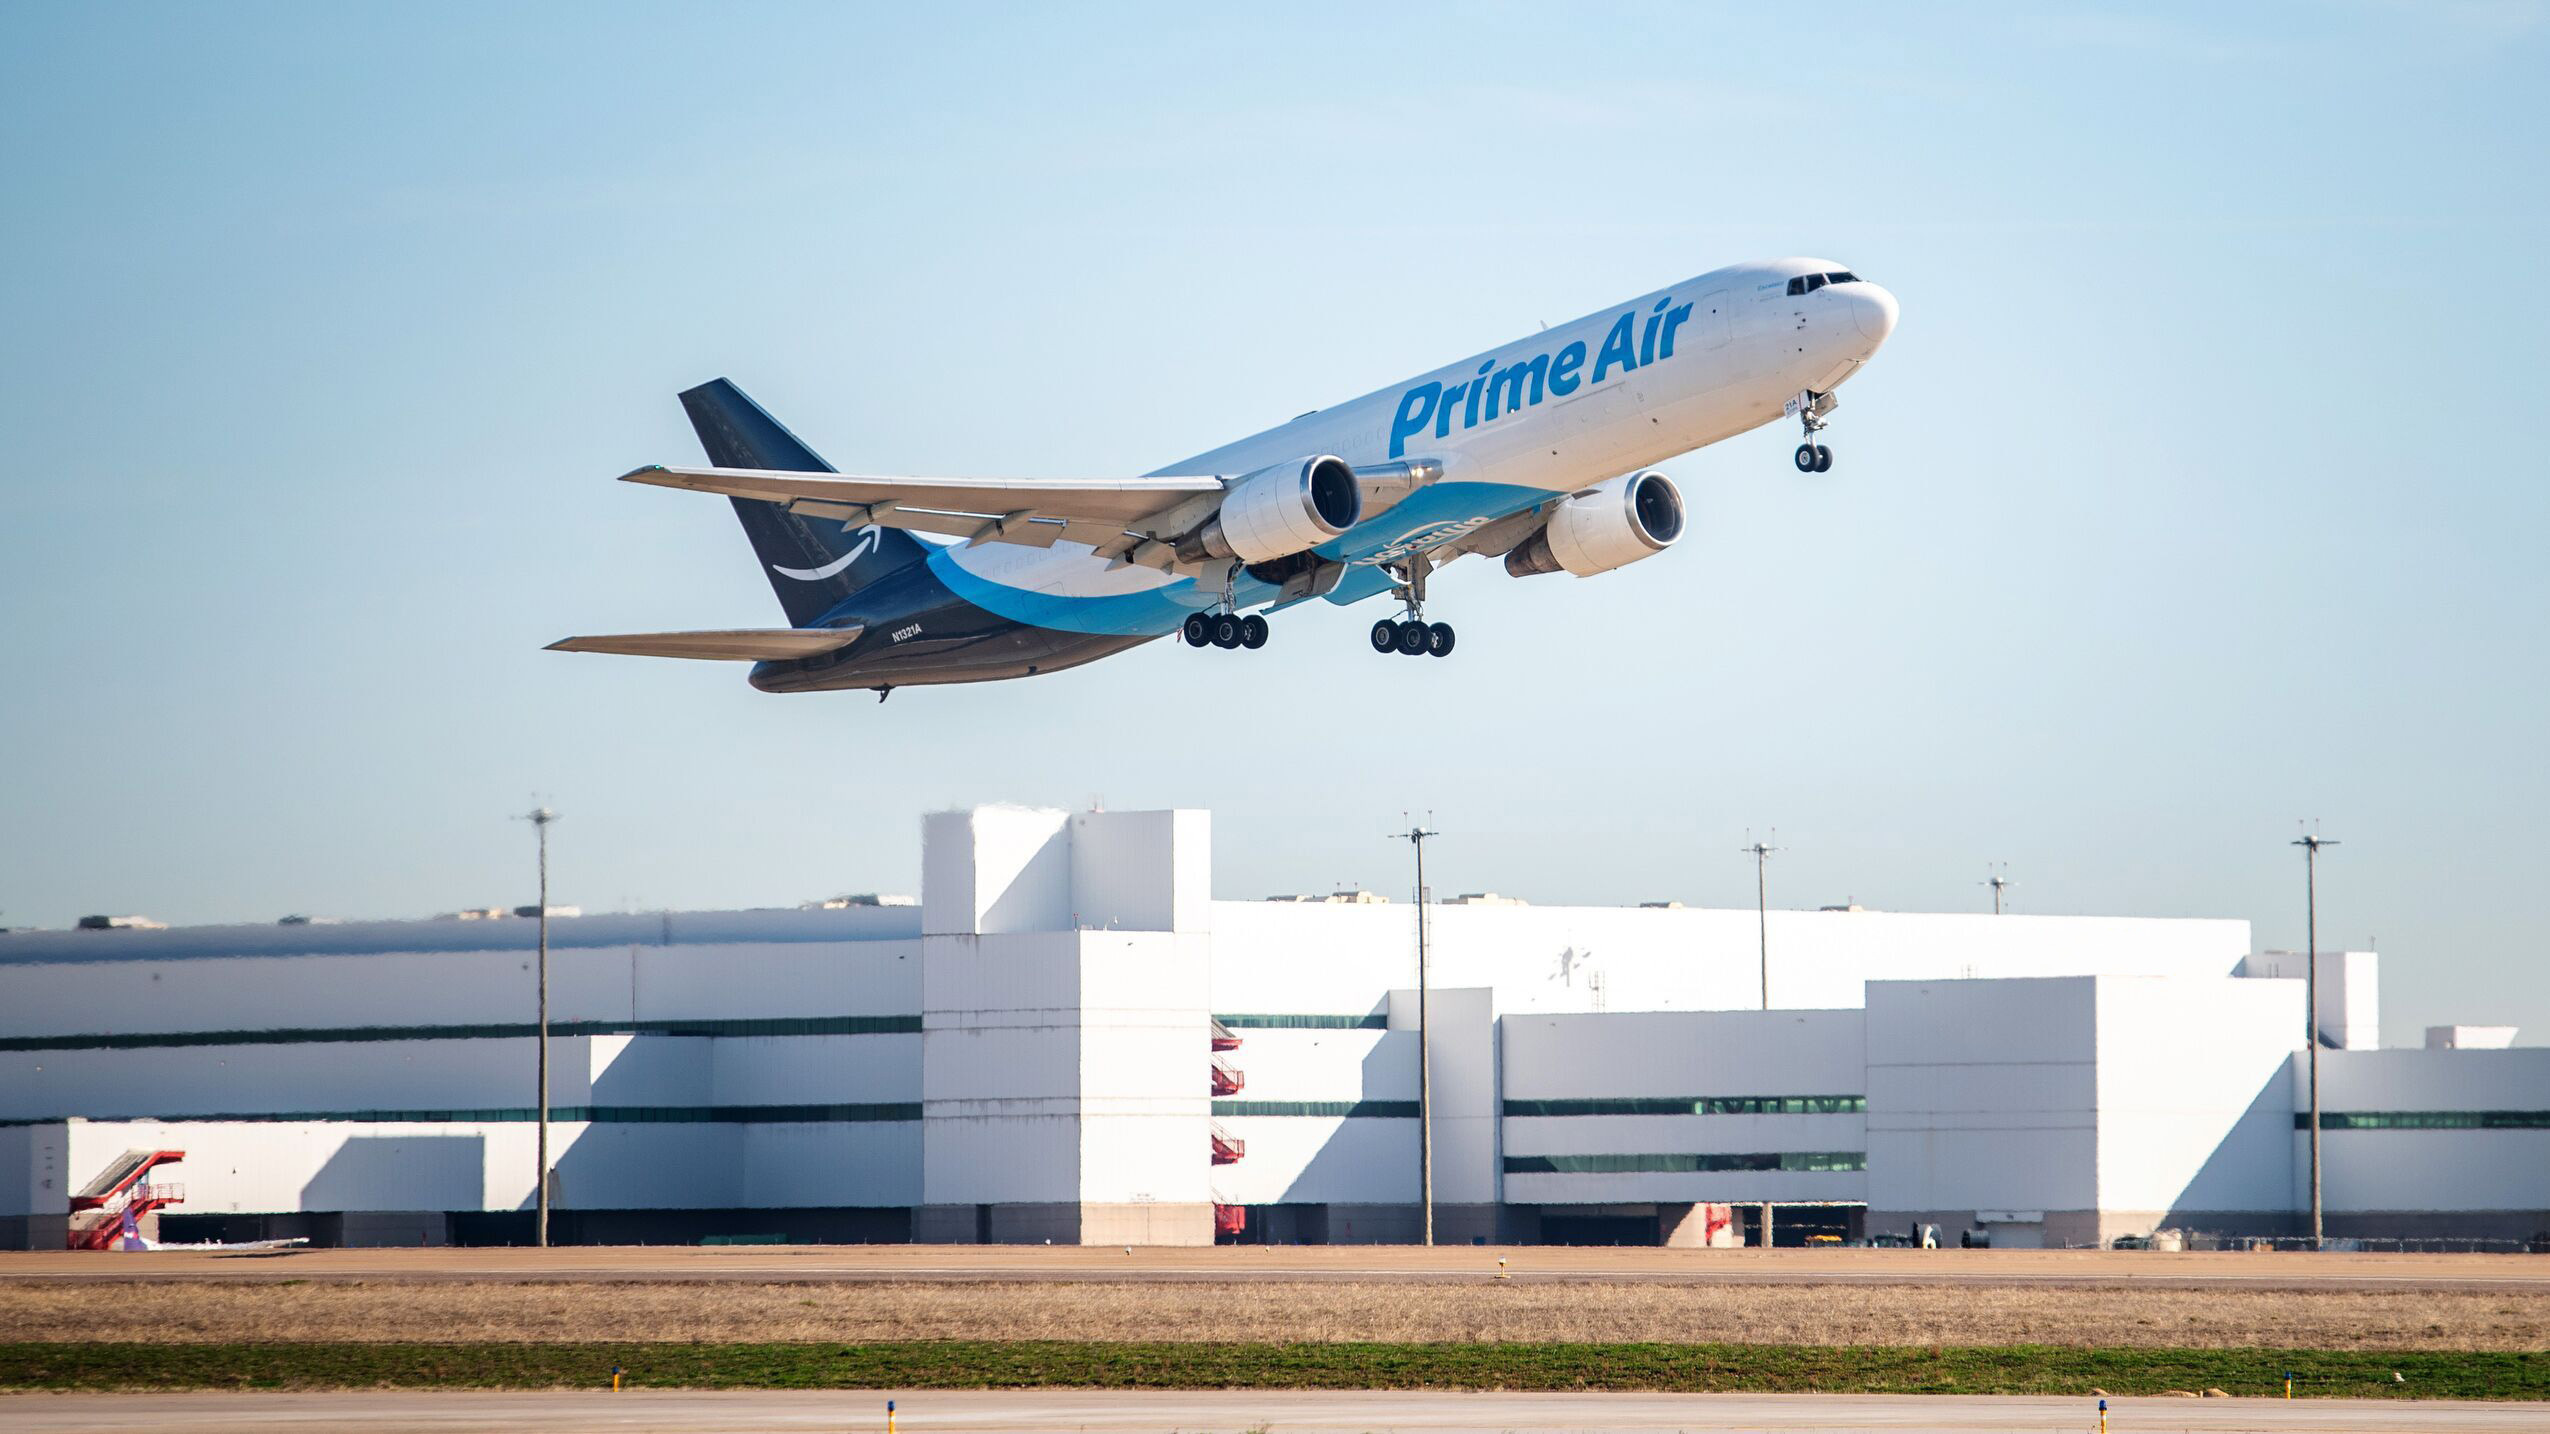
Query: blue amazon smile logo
{"type": "Point", "coordinates": [1495, 392]}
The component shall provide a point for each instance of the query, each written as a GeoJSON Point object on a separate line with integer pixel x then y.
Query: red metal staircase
{"type": "Point", "coordinates": [1227, 1080]}
{"type": "Point", "coordinates": [1228, 1220]}
{"type": "Point", "coordinates": [119, 1191]}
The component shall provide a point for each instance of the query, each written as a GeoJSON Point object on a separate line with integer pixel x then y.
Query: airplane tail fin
{"type": "Point", "coordinates": [812, 564]}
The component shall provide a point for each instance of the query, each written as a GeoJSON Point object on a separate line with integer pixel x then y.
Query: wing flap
{"type": "Point", "coordinates": [1033, 511]}
{"type": "Point", "coordinates": [730, 644]}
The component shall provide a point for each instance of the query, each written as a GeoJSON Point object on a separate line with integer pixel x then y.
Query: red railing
{"type": "Point", "coordinates": [141, 1201]}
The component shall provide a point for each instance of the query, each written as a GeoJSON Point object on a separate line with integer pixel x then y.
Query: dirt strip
{"type": "Point", "coordinates": [1271, 1311]}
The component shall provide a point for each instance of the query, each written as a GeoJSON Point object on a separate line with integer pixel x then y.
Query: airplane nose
{"type": "Point", "coordinates": [1873, 309]}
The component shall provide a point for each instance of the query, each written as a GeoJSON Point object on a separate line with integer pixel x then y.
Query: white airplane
{"type": "Point", "coordinates": [1537, 451]}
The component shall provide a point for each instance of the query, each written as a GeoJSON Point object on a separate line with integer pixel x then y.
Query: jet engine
{"type": "Point", "coordinates": [1608, 526]}
{"type": "Point", "coordinates": [1277, 511]}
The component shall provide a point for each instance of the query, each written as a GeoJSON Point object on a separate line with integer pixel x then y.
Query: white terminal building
{"type": "Point", "coordinates": [1068, 1039]}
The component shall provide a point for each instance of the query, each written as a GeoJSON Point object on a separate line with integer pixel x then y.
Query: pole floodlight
{"type": "Point", "coordinates": [540, 819]}
{"type": "Point", "coordinates": [2311, 842]}
{"type": "Point", "coordinates": [1998, 882]}
{"type": "Point", "coordinates": [1416, 836]}
{"type": "Point", "coordinates": [1761, 854]}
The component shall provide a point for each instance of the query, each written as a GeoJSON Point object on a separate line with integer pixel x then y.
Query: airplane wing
{"type": "Point", "coordinates": [1111, 515]}
{"type": "Point", "coordinates": [734, 644]}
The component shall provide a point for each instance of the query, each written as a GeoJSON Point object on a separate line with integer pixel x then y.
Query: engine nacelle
{"type": "Point", "coordinates": [1610, 526]}
{"type": "Point", "coordinates": [1278, 511]}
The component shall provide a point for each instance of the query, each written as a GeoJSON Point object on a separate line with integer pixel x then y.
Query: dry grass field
{"type": "Point", "coordinates": [1455, 1263]}
{"type": "Point", "coordinates": [1271, 1310]}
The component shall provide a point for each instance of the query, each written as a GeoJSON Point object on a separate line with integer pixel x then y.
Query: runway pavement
{"type": "Point", "coordinates": [1455, 1264]}
{"type": "Point", "coordinates": [977, 1412]}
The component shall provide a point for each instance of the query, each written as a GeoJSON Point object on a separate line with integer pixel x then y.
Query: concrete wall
{"type": "Point", "coordinates": [1981, 1095]}
{"type": "Point", "coordinates": [2193, 1117]}
{"type": "Point", "coordinates": [1283, 956]}
{"type": "Point", "coordinates": [1725, 1053]}
{"type": "Point", "coordinates": [1064, 1060]}
{"type": "Point", "coordinates": [2350, 1010]}
{"type": "Point", "coordinates": [777, 963]}
{"type": "Point", "coordinates": [339, 1077]}
{"type": "Point", "coordinates": [2407, 1170]}
{"type": "Point", "coordinates": [1685, 1056]}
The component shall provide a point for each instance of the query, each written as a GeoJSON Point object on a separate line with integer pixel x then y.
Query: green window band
{"type": "Point", "coordinates": [1392, 1109]}
{"type": "Point", "coordinates": [2426, 1120]}
{"type": "Point", "coordinates": [1694, 1105]}
{"type": "Point", "coordinates": [486, 1031]}
{"type": "Point", "coordinates": [1260, 1021]}
{"type": "Point", "coordinates": [1816, 1160]}
{"type": "Point", "coordinates": [558, 1114]}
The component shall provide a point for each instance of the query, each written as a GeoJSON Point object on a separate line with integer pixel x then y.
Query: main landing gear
{"type": "Point", "coordinates": [1413, 635]}
{"type": "Point", "coordinates": [1810, 408]}
{"type": "Point", "coordinates": [1415, 638]}
{"type": "Point", "coordinates": [1225, 630]}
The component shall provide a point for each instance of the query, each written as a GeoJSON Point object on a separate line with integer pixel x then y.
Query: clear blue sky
{"type": "Point", "coordinates": [2197, 493]}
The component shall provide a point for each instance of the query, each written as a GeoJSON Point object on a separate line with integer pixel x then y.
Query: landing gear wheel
{"type": "Point", "coordinates": [1413, 638]}
{"type": "Point", "coordinates": [1198, 629]}
{"type": "Point", "coordinates": [1385, 636]}
{"type": "Point", "coordinates": [1823, 459]}
{"type": "Point", "coordinates": [1439, 639]}
{"type": "Point", "coordinates": [1226, 632]}
{"type": "Point", "coordinates": [1252, 632]}
{"type": "Point", "coordinates": [1806, 458]}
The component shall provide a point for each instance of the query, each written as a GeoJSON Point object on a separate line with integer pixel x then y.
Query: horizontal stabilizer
{"type": "Point", "coordinates": [731, 644]}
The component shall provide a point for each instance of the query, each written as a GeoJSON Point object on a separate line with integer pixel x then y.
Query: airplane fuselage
{"type": "Point", "coordinates": [1625, 387]}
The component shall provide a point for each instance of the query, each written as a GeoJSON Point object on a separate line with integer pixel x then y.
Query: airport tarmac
{"type": "Point", "coordinates": [765, 1263]}
{"type": "Point", "coordinates": [984, 1411]}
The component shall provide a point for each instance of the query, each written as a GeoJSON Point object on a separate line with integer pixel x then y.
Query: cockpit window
{"type": "Point", "coordinates": [1809, 283]}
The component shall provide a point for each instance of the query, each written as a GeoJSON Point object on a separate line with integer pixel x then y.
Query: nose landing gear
{"type": "Point", "coordinates": [1413, 635]}
{"type": "Point", "coordinates": [1809, 408]}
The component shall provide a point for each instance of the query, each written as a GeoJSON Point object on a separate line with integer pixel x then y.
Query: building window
{"type": "Point", "coordinates": [1694, 1105]}
{"type": "Point", "coordinates": [1303, 1021]}
{"type": "Point", "coordinates": [1794, 1160]}
{"type": "Point", "coordinates": [2426, 1120]}
{"type": "Point", "coordinates": [483, 1031]}
{"type": "Point", "coordinates": [1390, 1109]}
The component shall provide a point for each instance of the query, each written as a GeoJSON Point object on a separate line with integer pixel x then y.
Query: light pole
{"type": "Point", "coordinates": [1416, 836]}
{"type": "Point", "coordinates": [1761, 853]}
{"type": "Point", "coordinates": [540, 818]}
{"type": "Point", "coordinates": [2311, 843]}
{"type": "Point", "coordinates": [1998, 883]}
